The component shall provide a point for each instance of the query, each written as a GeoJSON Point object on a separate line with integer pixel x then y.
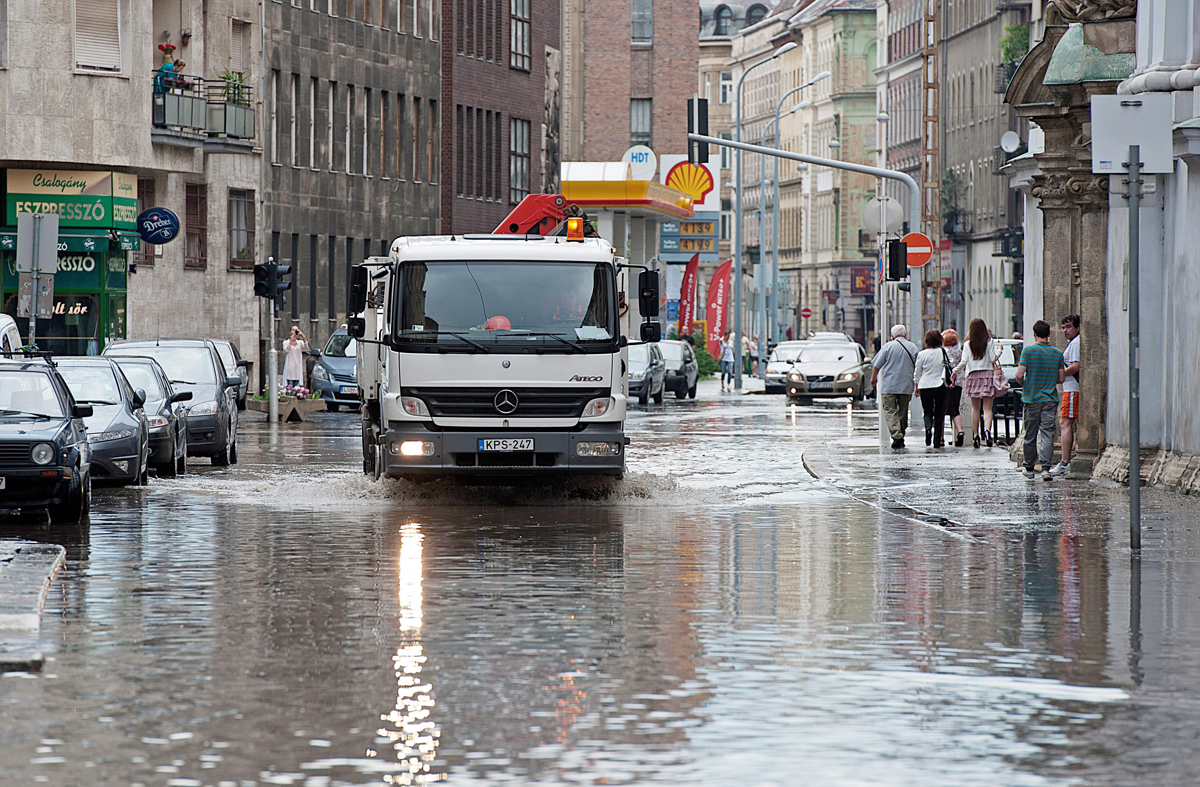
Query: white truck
{"type": "Point", "coordinates": [495, 355]}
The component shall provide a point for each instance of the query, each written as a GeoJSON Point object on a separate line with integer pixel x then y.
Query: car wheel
{"type": "Point", "coordinates": [241, 403]}
{"type": "Point", "coordinates": [658, 397]}
{"type": "Point", "coordinates": [332, 407]}
{"type": "Point", "coordinates": [221, 458]}
{"type": "Point", "coordinates": [144, 476]}
{"type": "Point", "coordinates": [181, 462]}
{"type": "Point", "coordinates": [75, 507]}
{"type": "Point", "coordinates": [692, 390]}
{"type": "Point", "coordinates": [644, 396]}
{"type": "Point", "coordinates": [680, 393]}
{"type": "Point", "coordinates": [233, 452]}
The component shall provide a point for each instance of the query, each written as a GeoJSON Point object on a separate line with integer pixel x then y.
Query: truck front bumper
{"type": "Point", "coordinates": [458, 452]}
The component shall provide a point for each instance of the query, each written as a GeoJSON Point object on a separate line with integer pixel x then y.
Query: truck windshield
{"type": "Point", "coordinates": [483, 303]}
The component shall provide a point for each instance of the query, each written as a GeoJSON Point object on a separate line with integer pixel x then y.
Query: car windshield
{"type": "Point", "coordinates": [671, 352]}
{"type": "Point", "coordinates": [225, 352]}
{"type": "Point", "coordinates": [828, 354]}
{"type": "Point", "coordinates": [28, 392]}
{"type": "Point", "coordinates": [141, 375]}
{"type": "Point", "coordinates": [784, 354]}
{"type": "Point", "coordinates": [91, 383]}
{"type": "Point", "coordinates": [1010, 354]}
{"type": "Point", "coordinates": [341, 346]}
{"type": "Point", "coordinates": [506, 303]}
{"type": "Point", "coordinates": [188, 365]}
{"type": "Point", "coordinates": [639, 353]}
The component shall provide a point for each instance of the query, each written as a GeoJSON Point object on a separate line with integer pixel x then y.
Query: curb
{"type": "Point", "coordinates": [25, 572]}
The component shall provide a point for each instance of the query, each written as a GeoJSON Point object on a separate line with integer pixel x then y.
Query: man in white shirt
{"type": "Point", "coordinates": [1069, 409]}
{"type": "Point", "coordinates": [892, 380]}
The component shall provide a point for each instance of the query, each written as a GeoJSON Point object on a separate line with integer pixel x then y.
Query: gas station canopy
{"type": "Point", "coordinates": [607, 186]}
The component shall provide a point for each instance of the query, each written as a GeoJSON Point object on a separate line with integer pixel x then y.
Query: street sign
{"type": "Point", "coordinates": [45, 226]}
{"type": "Point", "coordinates": [806, 312]}
{"type": "Point", "coordinates": [1120, 121]}
{"type": "Point", "coordinates": [45, 303]}
{"type": "Point", "coordinates": [920, 249]}
{"type": "Point", "coordinates": [894, 215]}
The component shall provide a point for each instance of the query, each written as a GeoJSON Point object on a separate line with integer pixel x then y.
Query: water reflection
{"type": "Point", "coordinates": [413, 734]}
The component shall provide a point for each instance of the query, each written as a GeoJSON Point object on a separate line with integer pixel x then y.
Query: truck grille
{"type": "Point", "coordinates": [15, 453]}
{"type": "Point", "coordinates": [531, 402]}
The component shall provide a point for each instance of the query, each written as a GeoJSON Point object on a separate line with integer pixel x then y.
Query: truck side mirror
{"type": "Point", "coordinates": [357, 294]}
{"type": "Point", "coordinates": [648, 293]}
{"type": "Point", "coordinates": [356, 327]}
{"type": "Point", "coordinates": [652, 331]}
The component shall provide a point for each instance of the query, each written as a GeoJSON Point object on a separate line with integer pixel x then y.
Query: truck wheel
{"type": "Point", "coordinates": [370, 413]}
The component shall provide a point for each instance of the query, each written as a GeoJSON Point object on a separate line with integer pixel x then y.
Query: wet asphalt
{"type": "Point", "coordinates": [764, 600]}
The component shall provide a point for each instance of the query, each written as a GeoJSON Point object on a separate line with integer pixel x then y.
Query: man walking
{"type": "Point", "coordinates": [1070, 399]}
{"type": "Point", "coordinates": [1039, 372]}
{"type": "Point", "coordinates": [892, 380]}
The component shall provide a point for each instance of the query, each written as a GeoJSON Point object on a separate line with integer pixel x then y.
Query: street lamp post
{"type": "Point", "coordinates": [737, 216]}
{"type": "Point", "coordinates": [774, 305]}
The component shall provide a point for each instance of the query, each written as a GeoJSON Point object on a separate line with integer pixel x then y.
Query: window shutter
{"type": "Point", "coordinates": [237, 46]}
{"type": "Point", "coordinates": [98, 35]}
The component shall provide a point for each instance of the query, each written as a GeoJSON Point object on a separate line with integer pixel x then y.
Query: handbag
{"type": "Point", "coordinates": [998, 379]}
{"type": "Point", "coordinates": [948, 376]}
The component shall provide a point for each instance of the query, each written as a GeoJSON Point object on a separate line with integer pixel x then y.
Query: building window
{"type": "Point", "coordinates": [431, 140]}
{"type": "Point", "coordinates": [416, 140]}
{"type": "Point", "coordinates": [195, 254]}
{"type": "Point", "coordinates": [366, 133]}
{"type": "Point", "coordinates": [724, 21]}
{"type": "Point", "coordinates": [294, 120]}
{"type": "Point", "coordinates": [640, 114]}
{"type": "Point", "coordinates": [726, 153]}
{"type": "Point", "coordinates": [349, 125]}
{"type": "Point", "coordinates": [518, 160]}
{"type": "Point", "coordinates": [755, 15]}
{"type": "Point", "coordinates": [726, 87]}
{"type": "Point", "coordinates": [241, 229]}
{"type": "Point", "coordinates": [239, 46]}
{"type": "Point", "coordinates": [330, 110]}
{"type": "Point", "coordinates": [641, 13]}
{"type": "Point", "coordinates": [312, 123]}
{"type": "Point", "coordinates": [98, 35]}
{"type": "Point", "coordinates": [145, 201]}
{"type": "Point", "coordinates": [400, 101]}
{"type": "Point", "coordinates": [519, 55]}
{"type": "Point", "coordinates": [725, 217]}
{"type": "Point", "coordinates": [274, 116]}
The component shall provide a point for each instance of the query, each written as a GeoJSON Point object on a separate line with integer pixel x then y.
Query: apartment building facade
{"type": "Point", "coordinates": [99, 129]}
{"type": "Point", "coordinates": [352, 134]}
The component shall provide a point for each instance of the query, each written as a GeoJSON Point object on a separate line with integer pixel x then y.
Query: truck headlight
{"type": "Point", "coordinates": [42, 454]}
{"type": "Point", "coordinates": [414, 406]}
{"type": "Point", "coordinates": [319, 373]}
{"type": "Point", "coordinates": [597, 407]}
{"type": "Point", "coordinates": [413, 448]}
{"type": "Point", "coordinates": [847, 377]}
{"type": "Point", "coordinates": [588, 448]}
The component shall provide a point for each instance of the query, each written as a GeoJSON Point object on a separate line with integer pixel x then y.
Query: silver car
{"type": "Point", "coordinates": [779, 363]}
{"type": "Point", "coordinates": [829, 368]}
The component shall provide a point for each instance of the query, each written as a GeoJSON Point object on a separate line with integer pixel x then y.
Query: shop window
{"type": "Point", "coordinates": [241, 229]}
{"type": "Point", "coordinates": [195, 254]}
{"type": "Point", "coordinates": [518, 160]}
{"type": "Point", "coordinates": [74, 327]}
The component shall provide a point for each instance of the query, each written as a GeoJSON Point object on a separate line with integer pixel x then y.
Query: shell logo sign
{"type": "Point", "coordinates": [692, 180]}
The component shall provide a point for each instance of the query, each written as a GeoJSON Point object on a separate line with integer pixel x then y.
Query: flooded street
{"type": "Point", "coordinates": [762, 601]}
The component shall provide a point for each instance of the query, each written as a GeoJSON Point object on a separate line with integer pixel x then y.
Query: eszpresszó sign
{"type": "Point", "coordinates": [158, 225]}
{"type": "Point", "coordinates": [81, 199]}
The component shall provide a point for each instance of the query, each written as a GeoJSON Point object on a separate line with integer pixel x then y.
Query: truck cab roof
{"type": "Point", "coordinates": [501, 248]}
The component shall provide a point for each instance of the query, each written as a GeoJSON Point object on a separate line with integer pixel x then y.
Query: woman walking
{"type": "Point", "coordinates": [930, 383]}
{"type": "Point", "coordinates": [954, 392]}
{"type": "Point", "coordinates": [727, 360]}
{"type": "Point", "coordinates": [978, 362]}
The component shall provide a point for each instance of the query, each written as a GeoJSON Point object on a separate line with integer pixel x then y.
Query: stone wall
{"type": "Point", "coordinates": [1176, 472]}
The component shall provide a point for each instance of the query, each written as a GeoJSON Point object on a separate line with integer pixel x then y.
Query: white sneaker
{"type": "Point", "coordinates": [1047, 477]}
{"type": "Point", "coordinates": [1062, 468]}
{"type": "Point", "coordinates": [1025, 471]}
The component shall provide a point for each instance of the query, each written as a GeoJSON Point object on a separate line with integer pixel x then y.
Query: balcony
{"type": "Point", "coordinates": [190, 111]}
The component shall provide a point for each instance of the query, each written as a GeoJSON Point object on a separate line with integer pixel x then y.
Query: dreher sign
{"type": "Point", "coordinates": [158, 225]}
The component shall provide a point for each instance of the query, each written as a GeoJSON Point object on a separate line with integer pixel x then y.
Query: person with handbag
{"type": "Point", "coordinates": [931, 380]}
{"type": "Point", "coordinates": [954, 392]}
{"type": "Point", "coordinates": [892, 380]}
{"type": "Point", "coordinates": [979, 365]}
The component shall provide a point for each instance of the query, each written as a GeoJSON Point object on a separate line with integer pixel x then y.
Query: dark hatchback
{"type": "Point", "coordinates": [45, 460]}
{"type": "Point", "coordinates": [193, 365]}
{"type": "Point", "coordinates": [647, 373]}
{"type": "Point", "coordinates": [166, 418]}
{"type": "Point", "coordinates": [117, 428]}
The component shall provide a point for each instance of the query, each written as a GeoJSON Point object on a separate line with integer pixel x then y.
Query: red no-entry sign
{"type": "Point", "coordinates": [920, 249]}
{"type": "Point", "coordinates": [806, 312]}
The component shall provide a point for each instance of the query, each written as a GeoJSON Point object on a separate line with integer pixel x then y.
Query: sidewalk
{"type": "Point", "coordinates": [26, 568]}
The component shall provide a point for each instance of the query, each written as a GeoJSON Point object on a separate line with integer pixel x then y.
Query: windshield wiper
{"type": "Point", "coordinates": [184, 382]}
{"type": "Point", "coordinates": [94, 401]}
{"type": "Point", "coordinates": [26, 413]}
{"type": "Point", "coordinates": [556, 338]}
{"type": "Point", "coordinates": [471, 342]}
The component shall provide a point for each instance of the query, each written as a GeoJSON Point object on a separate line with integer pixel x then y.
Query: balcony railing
{"type": "Point", "coordinates": [193, 111]}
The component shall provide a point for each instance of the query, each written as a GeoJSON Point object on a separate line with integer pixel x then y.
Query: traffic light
{"type": "Point", "coordinates": [897, 260]}
{"type": "Point", "coordinates": [264, 279]}
{"type": "Point", "coordinates": [281, 286]}
{"type": "Point", "coordinates": [697, 112]}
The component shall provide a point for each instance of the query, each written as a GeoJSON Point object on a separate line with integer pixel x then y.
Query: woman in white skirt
{"type": "Point", "coordinates": [977, 367]}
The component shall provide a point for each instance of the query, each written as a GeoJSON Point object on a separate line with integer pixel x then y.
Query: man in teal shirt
{"type": "Point", "coordinates": [1039, 372]}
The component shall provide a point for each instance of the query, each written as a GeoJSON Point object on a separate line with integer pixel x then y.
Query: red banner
{"type": "Point", "coordinates": [718, 305]}
{"type": "Point", "coordinates": [687, 297]}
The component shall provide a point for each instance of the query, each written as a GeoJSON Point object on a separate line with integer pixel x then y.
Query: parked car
{"type": "Point", "coordinates": [193, 365]}
{"type": "Point", "coordinates": [10, 337]}
{"type": "Point", "coordinates": [117, 429]}
{"type": "Point", "coordinates": [1010, 403]}
{"type": "Point", "coordinates": [45, 459]}
{"type": "Point", "coordinates": [682, 369]}
{"type": "Point", "coordinates": [779, 363]}
{"type": "Point", "coordinates": [235, 366]}
{"type": "Point", "coordinates": [647, 372]}
{"type": "Point", "coordinates": [830, 369]}
{"type": "Point", "coordinates": [167, 419]}
{"type": "Point", "coordinates": [829, 336]}
{"type": "Point", "coordinates": [335, 373]}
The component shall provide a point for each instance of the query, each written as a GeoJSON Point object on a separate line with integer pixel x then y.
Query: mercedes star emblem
{"type": "Point", "coordinates": [506, 364]}
{"type": "Point", "coordinates": [506, 402]}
